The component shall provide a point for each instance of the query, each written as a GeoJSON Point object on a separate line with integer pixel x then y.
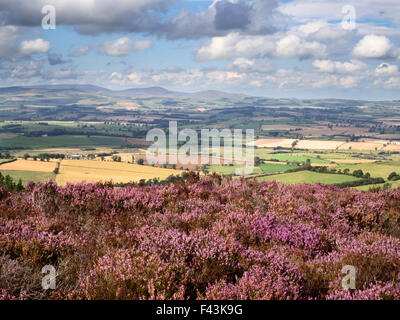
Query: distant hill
{"type": "Point", "coordinates": [133, 92]}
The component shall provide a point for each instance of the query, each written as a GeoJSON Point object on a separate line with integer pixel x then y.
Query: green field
{"type": "Point", "coordinates": [229, 170]}
{"type": "Point", "coordinates": [27, 176]}
{"type": "Point", "coordinates": [394, 185]}
{"type": "Point", "coordinates": [297, 158]}
{"type": "Point", "coordinates": [309, 177]}
{"type": "Point", "coordinates": [376, 169]}
{"type": "Point", "coordinates": [272, 168]}
{"type": "Point", "coordinates": [63, 141]}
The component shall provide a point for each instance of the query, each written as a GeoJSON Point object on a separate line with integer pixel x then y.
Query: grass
{"type": "Point", "coordinates": [62, 141]}
{"type": "Point", "coordinates": [27, 176]}
{"type": "Point", "coordinates": [309, 177]}
{"type": "Point", "coordinates": [377, 169]}
{"type": "Point", "coordinates": [76, 171]}
{"type": "Point", "coordinates": [272, 168]}
{"type": "Point", "coordinates": [229, 170]}
{"type": "Point", "coordinates": [297, 158]}
{"type": "Point", "coordinates": [394, 184]}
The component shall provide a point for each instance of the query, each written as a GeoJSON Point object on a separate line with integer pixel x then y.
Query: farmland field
{"type": "Point", "coordinates": [28, 176]}
{"type": "Point", "coordinates": [62, 141]}
{"type": "Point", "coordinates": [272, 168]}
{"type": "Point", "coordinates": [229, 170]}
{"type": "Point", "coordinates": [308, 177]}
{"type": "Point", "coordinates": [29, 165]}
{"type": "Point", "coordinates": [327, 145]}
{"type": "Point", "coordinates": [297, 158]}
{"type": "Point", "coordinates": [378, 169]}
{"type": "Point", "coordinates": [75, 171]}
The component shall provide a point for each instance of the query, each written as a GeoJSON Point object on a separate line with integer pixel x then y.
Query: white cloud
{"type": "Point", "coordinates": [386, 69]}
{"type": "Point", "coordinates": [330, 66]}
{"type": "Point", "coordinates": [293, 47]}
{"type": "Point", "coordinates": [348, 82]}
{"type": "Point", "coordinates": [39, 45]}
{"type": "Point", "coordinates": [236, 45]}
{"type": "Point", "coordinates": [124, 46]}
{"type": "Point", "coordinates": [372, 46]}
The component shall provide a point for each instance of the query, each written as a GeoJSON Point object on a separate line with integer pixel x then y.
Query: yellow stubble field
{"type": "Point", "coordinates": [30, 165]}
{"type": "Point", "coordinates": [75, 171]}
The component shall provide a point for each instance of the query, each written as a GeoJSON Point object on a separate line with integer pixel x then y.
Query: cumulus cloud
{"type": "Point", "coordinates": [221, 18]}
{"type": "Point", "coordinates": [348, 82]}
{"type": "Point", "coordinates": [124, 46]}
{"type": "Point", "coordinates": [330, 66]}
{"type": "Point", "coordinates": [150, 16]}
{"type": "Point", "coordinates": [90, 17]}
{"type": "Point", "coordinates": [39, 45]}
{"type": "Point", "coordinates": [32, 69]}
{"type": "Point", "coordinates": [294, 47]}
{"type": "Point", "coordinates": [372, 46]}
{"type": "Point", "coordinates": [386, 69]}
{"type": "Point", "coordinates": [320, 30]}
{"type": "Point", "coordinates": [236, 45]}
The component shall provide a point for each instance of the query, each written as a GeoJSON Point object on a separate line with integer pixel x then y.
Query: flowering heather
{"type": "Point", "coordinates": [210, 238]}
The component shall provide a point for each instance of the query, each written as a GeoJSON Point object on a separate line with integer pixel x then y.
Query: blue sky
{"type": "Point", "coordinates": [298, 48]}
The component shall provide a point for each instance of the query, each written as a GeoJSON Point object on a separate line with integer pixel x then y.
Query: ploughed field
{"type": "Point", "coordinates": [209, 238]}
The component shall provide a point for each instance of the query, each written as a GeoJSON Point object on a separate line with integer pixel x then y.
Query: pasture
{"type": "Point", "coordinates": [272, 168]}
{"type": "Point", "coordinates": [284, 157]}
{"type": "Point", "coordinates": [308, 177]}
{"type": "Point", "coordinates": [230, 170]}
{"type": "Point", "coordinates": [28, 176]}
{"type": "Point", "coordinates": [377, 169]}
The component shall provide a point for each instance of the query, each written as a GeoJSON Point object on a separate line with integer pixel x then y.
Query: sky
{"type": "Point", "coordinates": [279, 49]}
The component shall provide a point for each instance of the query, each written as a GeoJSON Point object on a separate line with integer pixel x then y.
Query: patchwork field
{"type": "Point", "coordinates": [317, 130]}
{"type": "Point", "coordinates": [297, 158]}
{"type": "Point", "coordinates": [327, 145]}
{"type": "Point", "coordinates": [76, 171]}
{"type": "Point", "coordinates": [379, 169]}
{"type": "Point", "coordinates": [308, 177]}
{"type": "Point", "coordinates": [62, 141]}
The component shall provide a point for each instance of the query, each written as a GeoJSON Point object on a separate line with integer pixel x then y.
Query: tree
{"type": "Point", "coordinates": [358, 173]}
{"type": "Point", "coordinates": [392, 176]}
{"type": "Point", "coordinates": [258, 161]}
{"type": "Point", "coordinates": [26, 156]}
